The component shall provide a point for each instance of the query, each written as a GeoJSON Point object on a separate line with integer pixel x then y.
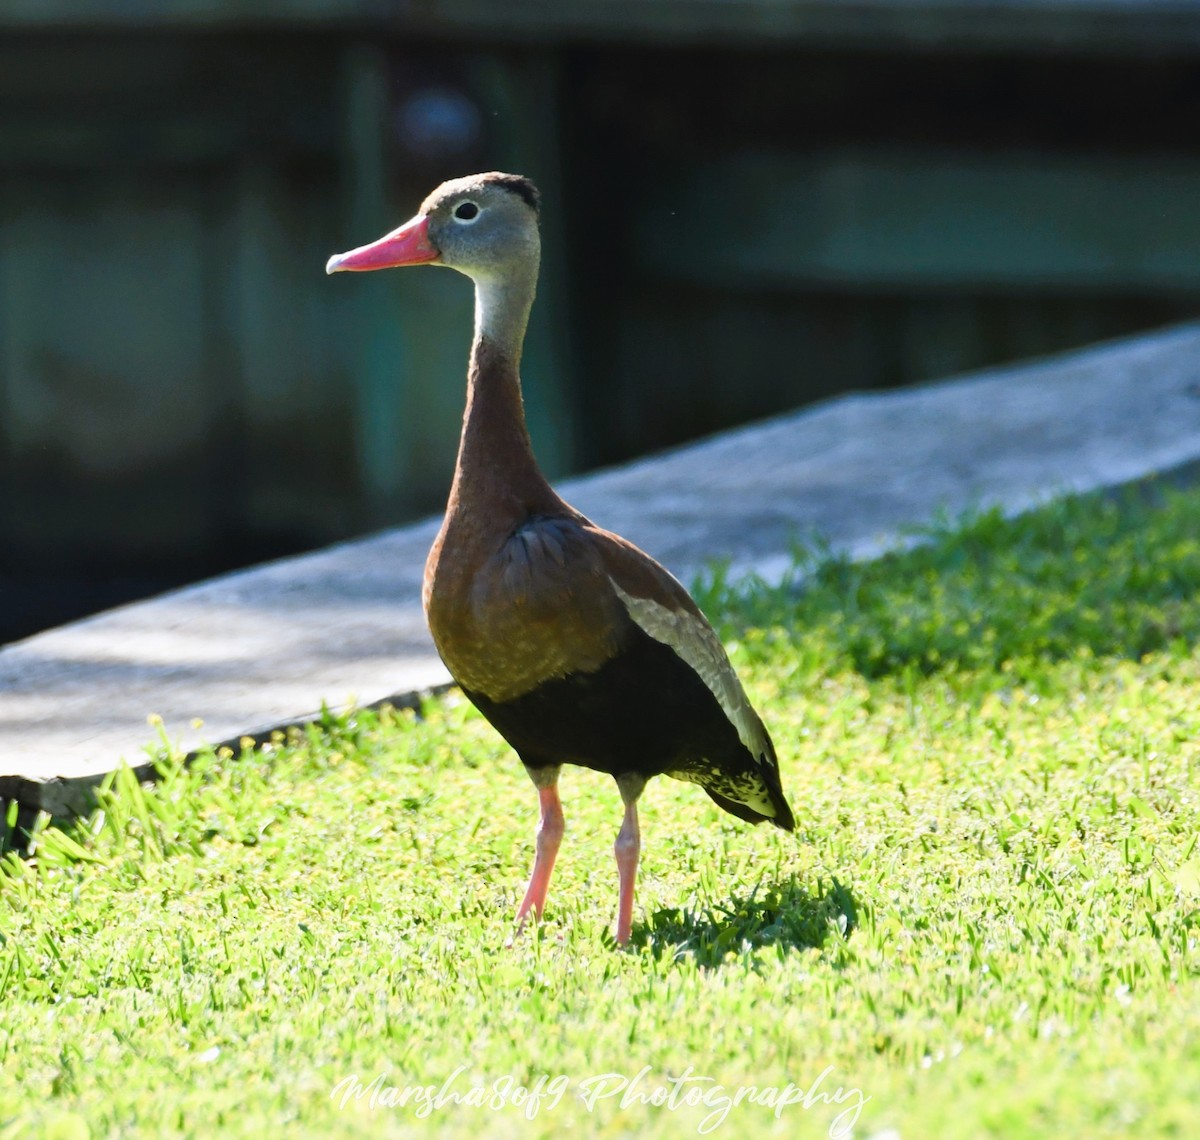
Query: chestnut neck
{"type": "Point", "coordinates": [496, 473]}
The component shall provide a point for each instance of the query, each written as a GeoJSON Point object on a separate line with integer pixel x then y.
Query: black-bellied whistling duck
{"type": "Point", "coordinates": [577, 646]}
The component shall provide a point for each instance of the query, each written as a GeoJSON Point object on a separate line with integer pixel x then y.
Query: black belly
{"type": "Point", "coordinates": [645, 711]}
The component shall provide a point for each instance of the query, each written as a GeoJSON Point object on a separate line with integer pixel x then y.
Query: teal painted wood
{"type": "Point", "coordinates": [375, 334]}
{"type": "Point", "coordinates": [177, 373]}
{"type": "Point", "coordinates": [9, 204]}
{"type": "Point", "coordinates": [405, 332]}
{"type": "Point", "coordinates": [103, 292]}
{"type": "Point", "coordinates": [892, 220]}
{"type": "Point", "coordinates": [522, 97]}
{"type": "Point", "coordinates": [291, 409]}
{"type": "Point", "coordinates": [172, 377]}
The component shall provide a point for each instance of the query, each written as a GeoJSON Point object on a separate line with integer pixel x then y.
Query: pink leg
{"type": "Point", "coordinates": [626, 850]}
{"type": "Point", "coordinates": [549, 837]}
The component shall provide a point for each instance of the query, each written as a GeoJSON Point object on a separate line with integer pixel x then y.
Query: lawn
{"type": "Point", "coordinates": [985, 925]}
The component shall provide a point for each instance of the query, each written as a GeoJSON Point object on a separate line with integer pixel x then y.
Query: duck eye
{"type": "Point", "coordinates": [466, 211]}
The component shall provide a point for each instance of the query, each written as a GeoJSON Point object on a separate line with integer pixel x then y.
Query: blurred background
{"type": "Point", "coordinates": [749, 205]}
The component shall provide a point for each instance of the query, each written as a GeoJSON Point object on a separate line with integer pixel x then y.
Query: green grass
{"type": "Point", "coordinates": [985, 927]}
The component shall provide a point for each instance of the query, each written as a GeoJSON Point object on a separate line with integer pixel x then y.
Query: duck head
{"type": "Point", "coordinates": [484, 225]}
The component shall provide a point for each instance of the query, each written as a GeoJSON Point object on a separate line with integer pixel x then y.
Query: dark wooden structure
{"type": "Point", "coordinates": [750, 204]}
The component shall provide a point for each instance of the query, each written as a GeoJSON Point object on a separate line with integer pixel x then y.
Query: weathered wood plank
{"type": "Point", "coordinates": [1110, 26]}
{"type": "Point", "coordinates": [185, 13]}
{"type": "Point", "coordinates": [265, 646]}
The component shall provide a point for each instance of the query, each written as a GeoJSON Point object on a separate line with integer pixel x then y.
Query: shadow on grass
{"type": "Point", "coordinates": [785, 915]}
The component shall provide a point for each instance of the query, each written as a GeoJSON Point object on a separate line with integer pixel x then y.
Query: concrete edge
{"type": "Point", "coordinates": [70, 796]}
{"type": "Point", "coordinates": [67, 797]}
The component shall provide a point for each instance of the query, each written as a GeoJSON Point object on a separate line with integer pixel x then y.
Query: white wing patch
{"type": "Point", "coordinates": [698, 645]}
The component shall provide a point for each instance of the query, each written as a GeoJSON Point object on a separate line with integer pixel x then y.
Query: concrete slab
{"type": "Point", "coordinates": [267, 646]}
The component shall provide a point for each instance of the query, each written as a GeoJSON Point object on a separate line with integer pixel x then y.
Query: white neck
{"type": "Point", "coordinates": [502, 305]}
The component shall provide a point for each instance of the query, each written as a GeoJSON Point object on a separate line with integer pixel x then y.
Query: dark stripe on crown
{"type": "Point", "coordinates": [521, 186]}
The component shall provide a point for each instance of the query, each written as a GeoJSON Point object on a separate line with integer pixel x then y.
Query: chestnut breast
{"type": "Point", "coordinates": [513, 606]}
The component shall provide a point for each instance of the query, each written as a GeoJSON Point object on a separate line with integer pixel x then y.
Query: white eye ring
{"type": "Point", "coordinates": [466, 221]}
